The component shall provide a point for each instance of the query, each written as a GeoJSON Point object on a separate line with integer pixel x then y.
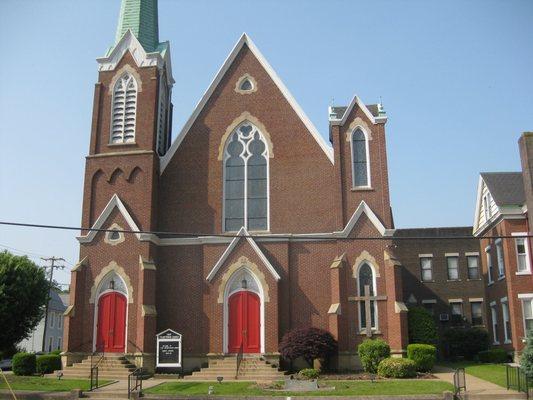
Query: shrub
{"type": "Point", "coordinates": [371, 352]}
{"type": "Point", "coordinates": [421, 325]}
{"type": "Point", "coordinates": [496, 356]}
{"type": "Point", "coordinates": [308, 343]}
{"type": "Point", "coordinates": [56, 352]}
{"type": "Point", "coordinates": [424, 356]}
{"type": "Point", "coordinates": [23, 364]}
{"type": "Point", "coordinates": [48, 363]}
{"type": "Point", "coordinates": [466, 342]}
{"type": "Point", "coordinates": [309, 373]}
{"type": "Point", "coordinates": [397, 368]}
{"type": "Point", "coordinates": [526, 359]}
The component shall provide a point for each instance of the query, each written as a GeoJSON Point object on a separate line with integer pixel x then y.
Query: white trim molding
{"type": "Point", "coordinates": [357, 101]}
{"type": "Point", "coordinates": [429, 301]}
{"type": "Point", "coordinates": [475, 300]}
{"type": "Point", "coordinates": [242, 233]}
{"type": "Point", "coordinates": [428, 255]}
{"type": "Point", "coordinates": [244, 40]}
{"type": "Point", "coordinates": [364, 208]}
{"type": "Point", "coordinates": [115, 202]}
{"type": "Point", "coordinates": [525, 295]}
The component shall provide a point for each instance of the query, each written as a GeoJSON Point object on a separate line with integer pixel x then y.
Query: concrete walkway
{"type": "Point", "coordinates": [477, 387]}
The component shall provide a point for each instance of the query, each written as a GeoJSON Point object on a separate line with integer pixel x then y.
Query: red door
{"type": "Point", "coordinates": [244, 322]}
{"type": "Point", "coordinates": [111, 323]}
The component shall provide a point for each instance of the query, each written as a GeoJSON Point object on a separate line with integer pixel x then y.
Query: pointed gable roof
{"type": "Point", "coordinates": [243, 233]}
{"type": "Point", "coordinates": [115, 202]}
{"type": "Point", "coordinates": [363, 208]}
{"type": "Point", "coordinates": [245, 41]}
{"type": "Point", "coordinates": [506, 188]}
{"type": "Point", "coordinates": [339, 115]}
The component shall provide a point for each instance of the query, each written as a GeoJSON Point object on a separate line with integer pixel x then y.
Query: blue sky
{"type": "Point", "coordinates": [455, 78]}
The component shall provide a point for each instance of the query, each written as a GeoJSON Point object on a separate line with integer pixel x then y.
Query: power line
{"type": "Point", "coordinates": [188, 235]}
{"type": "Point", "coordinates": [28, 253]}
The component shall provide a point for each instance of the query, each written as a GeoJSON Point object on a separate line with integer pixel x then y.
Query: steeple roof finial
{"type": "Point", "coordinates": [140, 16]}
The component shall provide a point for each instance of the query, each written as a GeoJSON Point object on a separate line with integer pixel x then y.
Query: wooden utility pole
{"type": "Point", "coordinates": [52, 260]}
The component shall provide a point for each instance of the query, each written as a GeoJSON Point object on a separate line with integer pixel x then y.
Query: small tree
{"type": "Point", "coordinates": [371, 352]}
{"type": "Point", "coordinates": [308, 343]}
{"type": "Point", "coordinates": [23, 293]}
{"type": "Point", "coordinates": [422, 327]}
{"type": "Point", "coordinates": [526, 359]}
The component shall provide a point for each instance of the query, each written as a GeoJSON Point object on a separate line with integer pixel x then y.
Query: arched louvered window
{"type": "Point", "coordinates": [246, 180]}
{"type": "Point", "coordinates": [163, 119]}
{"type": "Point", "coordinates": [366, 277]}
{"type": "Point", "coordinates": [360, 162]}
{"type": "Point", "coordinates": [124, 110]}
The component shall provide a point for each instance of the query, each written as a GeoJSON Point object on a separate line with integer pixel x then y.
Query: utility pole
{"type": "Point", "coordinates": [52, 260]}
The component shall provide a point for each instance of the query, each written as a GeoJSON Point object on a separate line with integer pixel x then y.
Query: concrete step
{"type": "Point", "coordinates": [105, 394]}
{"type": "Point", "coordinates": [503, 395]}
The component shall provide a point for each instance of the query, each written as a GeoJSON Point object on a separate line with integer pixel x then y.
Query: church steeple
{"type": "Point", "coordinates": [140, 16]}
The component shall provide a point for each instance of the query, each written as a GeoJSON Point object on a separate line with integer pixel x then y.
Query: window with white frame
{"type": "Point", "coordinates": [426, 269]}
{"type": "Point", "coordinates": [360, 161]}
{"type": "Point", "coordinates": [123, 110]}
{"type": "Point", "coordinates": [486, 206]}
{"type": "Point", "coordinates": [246, 180]}
{"type": "Point", "coordinates": [494, 317]}
{"type": "Point", "coordinates": [58, 343]}
{"type": "Point", "coordinates": [456, 311]}
{"type": "Point", "coordinates": [51, 318]}
{"type": "Point", "coordinates": [506, 321]}
{"type": "Point", "coordinates": [499, 256]}
{"type": "Point", "coordinates": [453, 267]}
{"type": "Point", "coordinates": [473, 267]}
{"type": "Point", "coordinates": [476, 308]}
{"type": "Point", "coordinates": [527, 311]}
{"type": "Point", "coordinates": [50, 344]}
{"type": "Point", "coordinates": [59, 320]}
{"type": "Point", "coordinates": [522, 255]}
{"type": "Point", "coordinates": [490, 274]}
{"type": "Point", "coordinates": [366, 277]}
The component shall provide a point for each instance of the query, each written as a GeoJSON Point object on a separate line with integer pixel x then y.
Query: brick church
{"type": "Point", "coordinates": [247, 223]}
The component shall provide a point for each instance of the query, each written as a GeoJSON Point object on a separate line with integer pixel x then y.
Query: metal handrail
{"type": "Point", "coordinates": [459, 381]}
{"type": "Point", "coordinates": [239, 360]}
{"type": "Point", "coordinates": [138, 375]}
{"type": "Point", "coordinates": [518, 380]}
{"type": "Point", "coordinates": [96, 359]}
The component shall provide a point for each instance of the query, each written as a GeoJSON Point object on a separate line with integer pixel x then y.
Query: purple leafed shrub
{"type": "Point", "coordinates": [308, 343]}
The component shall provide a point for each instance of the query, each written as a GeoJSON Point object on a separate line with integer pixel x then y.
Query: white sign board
{"type": "Point", "coordinates": [168, 349]}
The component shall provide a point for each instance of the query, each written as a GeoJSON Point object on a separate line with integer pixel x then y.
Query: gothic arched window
{"type": "Point", "coordinates": [124, 110]}
{"type": "Point", "coordinates": [246, 180]}
{"type": "Point", "coordinates": [365, 277]}
{"type": "Point", "coordinates": [360, 162]}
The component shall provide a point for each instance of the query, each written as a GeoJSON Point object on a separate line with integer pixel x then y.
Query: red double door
{"type": "Point", "coordinates": [111, 323]}
{"type": "Point", "coordinates": [244, 322]}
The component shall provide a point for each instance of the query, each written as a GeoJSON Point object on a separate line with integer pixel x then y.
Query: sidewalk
{"type": "Point", "coordinates": [476, 386]}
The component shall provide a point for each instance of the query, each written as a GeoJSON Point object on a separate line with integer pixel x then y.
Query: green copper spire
{"type": "Point", "coordinates": [141, 17]}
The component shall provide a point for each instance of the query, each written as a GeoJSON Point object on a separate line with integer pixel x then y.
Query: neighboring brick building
{"type": "Point", "coordinates": [247, 224]}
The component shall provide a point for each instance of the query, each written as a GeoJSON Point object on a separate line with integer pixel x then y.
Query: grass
{"type": "Point", "coordinates": [38, 383]}
{"type": "Point", "coordinates": [494, 373]}
{"type": "Point", "coordinates": [342, 388]}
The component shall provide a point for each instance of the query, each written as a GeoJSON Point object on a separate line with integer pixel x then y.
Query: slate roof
{"type": "Point", "coordinates": [337, 112]}
{"type": "Point", "coordinates": [506, 188]}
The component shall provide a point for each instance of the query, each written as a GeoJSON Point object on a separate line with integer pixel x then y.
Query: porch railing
{"type": "Point", "coordinates": [239, 360]}
{"type": "Point", "coordinates": [135, 382]}
{"type": "Point", "coordinates": [459, 382]}
{"type": "Point", "coordinates": [96, 358]}
{"type": "Point", "coordinates": [518, 380]}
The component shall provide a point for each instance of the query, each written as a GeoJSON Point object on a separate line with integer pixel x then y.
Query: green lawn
{"type": "Point", "coordinates": [494, 373]}
{"type": "Point", "coordinates": [45, 384]}
{"type": "Point", "coordinates": [342, 388]}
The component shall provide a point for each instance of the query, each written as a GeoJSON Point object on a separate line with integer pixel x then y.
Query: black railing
{"type": "Point", "coordinates": [239, 360]}
{"type": "Point", "coordinates": [94, 378]}
{"type": "Point", "coordinates": [135, 382]}
{"type": "Point", "coordinates": [518, 380]}
{"type": "Point", "coordinates": [96, 359]}
{"type": "Point", "coordinates": [459, 382]}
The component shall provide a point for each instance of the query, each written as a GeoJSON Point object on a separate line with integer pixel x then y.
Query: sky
{"type": "Point", "coordinates": [455, 78]}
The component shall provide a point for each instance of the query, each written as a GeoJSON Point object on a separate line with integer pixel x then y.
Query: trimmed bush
{"type": "Point", "coordinates": [56, 352]}
{"type": "Point", "coordinates": [422, 326]}
{"type": "Point", "coordinates": [48, 363]}
{"type": "Point", "coordinates": [424, 356]}
{"type": "Point", "coordinates": [372, 352]}
{"type": "Point", "coordinates": [495, 356]}
{"type": "Point", "coordinates": [526, 359]}
{"type": "Point", "coordinates": [465, 342]}
{"type": "Point", "coordinates": [23, 364]}
{"type": "Point", "coordinates": [397, 368]}
{"type": "Point", "coordinates": [309, 373]}
{"type": "Point", "coordinates": [308, 343]}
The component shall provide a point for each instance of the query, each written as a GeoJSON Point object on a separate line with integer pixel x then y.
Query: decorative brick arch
{"type": "Point", "coordinates": [243, 262]}
{"type": "Point", "coordinates": [112, 267]}
{"type": "Point", "coordinates": [358, 123]}
{"type": "Point", "coordinates": [245, 116]}
{"type": "Point", "coordinates": [129, 69]}
{"type": "Point", "coordinates": [365, 256]}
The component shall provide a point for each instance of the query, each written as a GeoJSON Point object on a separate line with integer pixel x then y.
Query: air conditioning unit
{"type": "Point", "coordinates": [444, 317]}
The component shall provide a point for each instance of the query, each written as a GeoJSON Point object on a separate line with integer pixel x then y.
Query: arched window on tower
{"type": "Point", "coordinates": [124, 109]}
{"type": "Point", "coordinates": [366, 277]}
{"type": "Point", "coordinates": [360, 162]}
{"type": "Point", "coordinates": [246, 180]}
{"type": "Point", "coordinates": [164, 116]}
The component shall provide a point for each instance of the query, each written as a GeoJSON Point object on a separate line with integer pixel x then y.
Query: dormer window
{"type": "Point", "coordinates": [124, 110]}
{"type": "Point", "coordinates": [246, 84]}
